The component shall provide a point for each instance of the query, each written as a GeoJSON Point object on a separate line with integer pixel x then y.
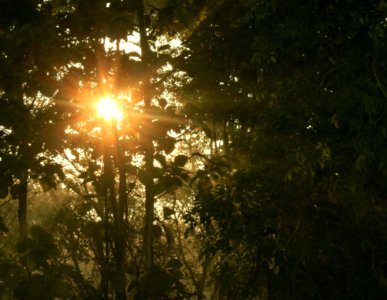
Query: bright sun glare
{"type": "Point", "coordinates": [108, 109]}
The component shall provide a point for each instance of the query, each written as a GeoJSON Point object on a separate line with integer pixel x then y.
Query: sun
{"type": "Point", "coordinates": [108, 109]}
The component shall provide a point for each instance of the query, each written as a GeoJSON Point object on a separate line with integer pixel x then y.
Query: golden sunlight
{"type": "Point", "coordinates": [108, 109]}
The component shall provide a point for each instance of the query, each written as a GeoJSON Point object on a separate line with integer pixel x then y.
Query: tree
{"type": "Point", "coordinates": [301, 95]}
{"type": "Point", "coordinates": [135, 79]}
{"type": "Point", "coordinates": [30, 122]}
{"type": "Point", "coordinates": [289, 182]}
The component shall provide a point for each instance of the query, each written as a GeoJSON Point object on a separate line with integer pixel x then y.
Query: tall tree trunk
{"type": "Point", "coordinates": [148, 143]}
{"type": "Point", "coordinates": [109, 193]}
{"type": "Point", "coordinates": [115, 233]}
{"type": "Point", "coordinates": [120, 236]}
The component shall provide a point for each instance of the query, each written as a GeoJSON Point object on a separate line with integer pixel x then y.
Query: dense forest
{"type": "Point", "coordinates": [193, 149]}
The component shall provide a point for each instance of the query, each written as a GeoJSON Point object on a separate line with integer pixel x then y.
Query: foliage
{"type": "Point", "coordinates": [304, 136]}
{"type": "Point", "coordinates": [272, 112]}
{"type": "Point", "coordinates": [52, 59]}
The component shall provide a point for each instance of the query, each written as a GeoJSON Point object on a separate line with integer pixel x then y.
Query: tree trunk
{"type": "Point", "coordinates": [148, 144]}
{"type": "Point", "coordinates": [120, 235]}
{"type": "Point", "coordinates": [108, 190]}
{"type": "Point", "coordinates": [22, 209]}
{"type": "Point", "coordinates": [226, 141]}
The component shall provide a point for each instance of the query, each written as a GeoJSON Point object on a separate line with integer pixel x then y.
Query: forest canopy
{"type": "Point", "coordinates": [194, 149]}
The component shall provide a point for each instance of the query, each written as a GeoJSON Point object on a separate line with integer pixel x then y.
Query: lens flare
{"type": "Point", "coordinates": [108, 109]}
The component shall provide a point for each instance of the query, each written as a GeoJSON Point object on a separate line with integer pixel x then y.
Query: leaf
{"type": "Point", "coordinates": [167, 212]}
{"type": "Point", "coordinates": [164, 47]}
{"type": "Point", "coordinates": [180, 160]}
{"type": "Point", "coordinates": [167, 144]}
{"type": "Point", "coordinates": [162, 102]}
{"type": "Point", "coordinates": [161, 159]}
{"type": "Point", "coordinates": [59, 171]}
{"type": "Point", "coordinates": [47, 183]}
{"type": "Point", "coordinates": [157, 231]}
{"type": "Point", "coordinates": [157, 172]}
{"type": "Point", "coordinates": [130, 169]}
{"type": "Point", "coordinates": [166, 184]}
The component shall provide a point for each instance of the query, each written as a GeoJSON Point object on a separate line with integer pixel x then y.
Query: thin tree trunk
{"type": "Point", "coordinates": [148, 143]}
{"type": "Point", "coordinates": [120, 241]}
{"type": "Point", "coordinates": [107, 175]}
{"type": "Point", "coordinates": [225, 139]}
{"type": "Point", "coordinates": [215, 138]}
{"type": "Point", "coordinates": [112, 159]}
{"type": "Point", "coordinates": [22, 209]}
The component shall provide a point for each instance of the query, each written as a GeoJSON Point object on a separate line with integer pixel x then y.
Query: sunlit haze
{"type": "Point", "coordinates": [108, 109]}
